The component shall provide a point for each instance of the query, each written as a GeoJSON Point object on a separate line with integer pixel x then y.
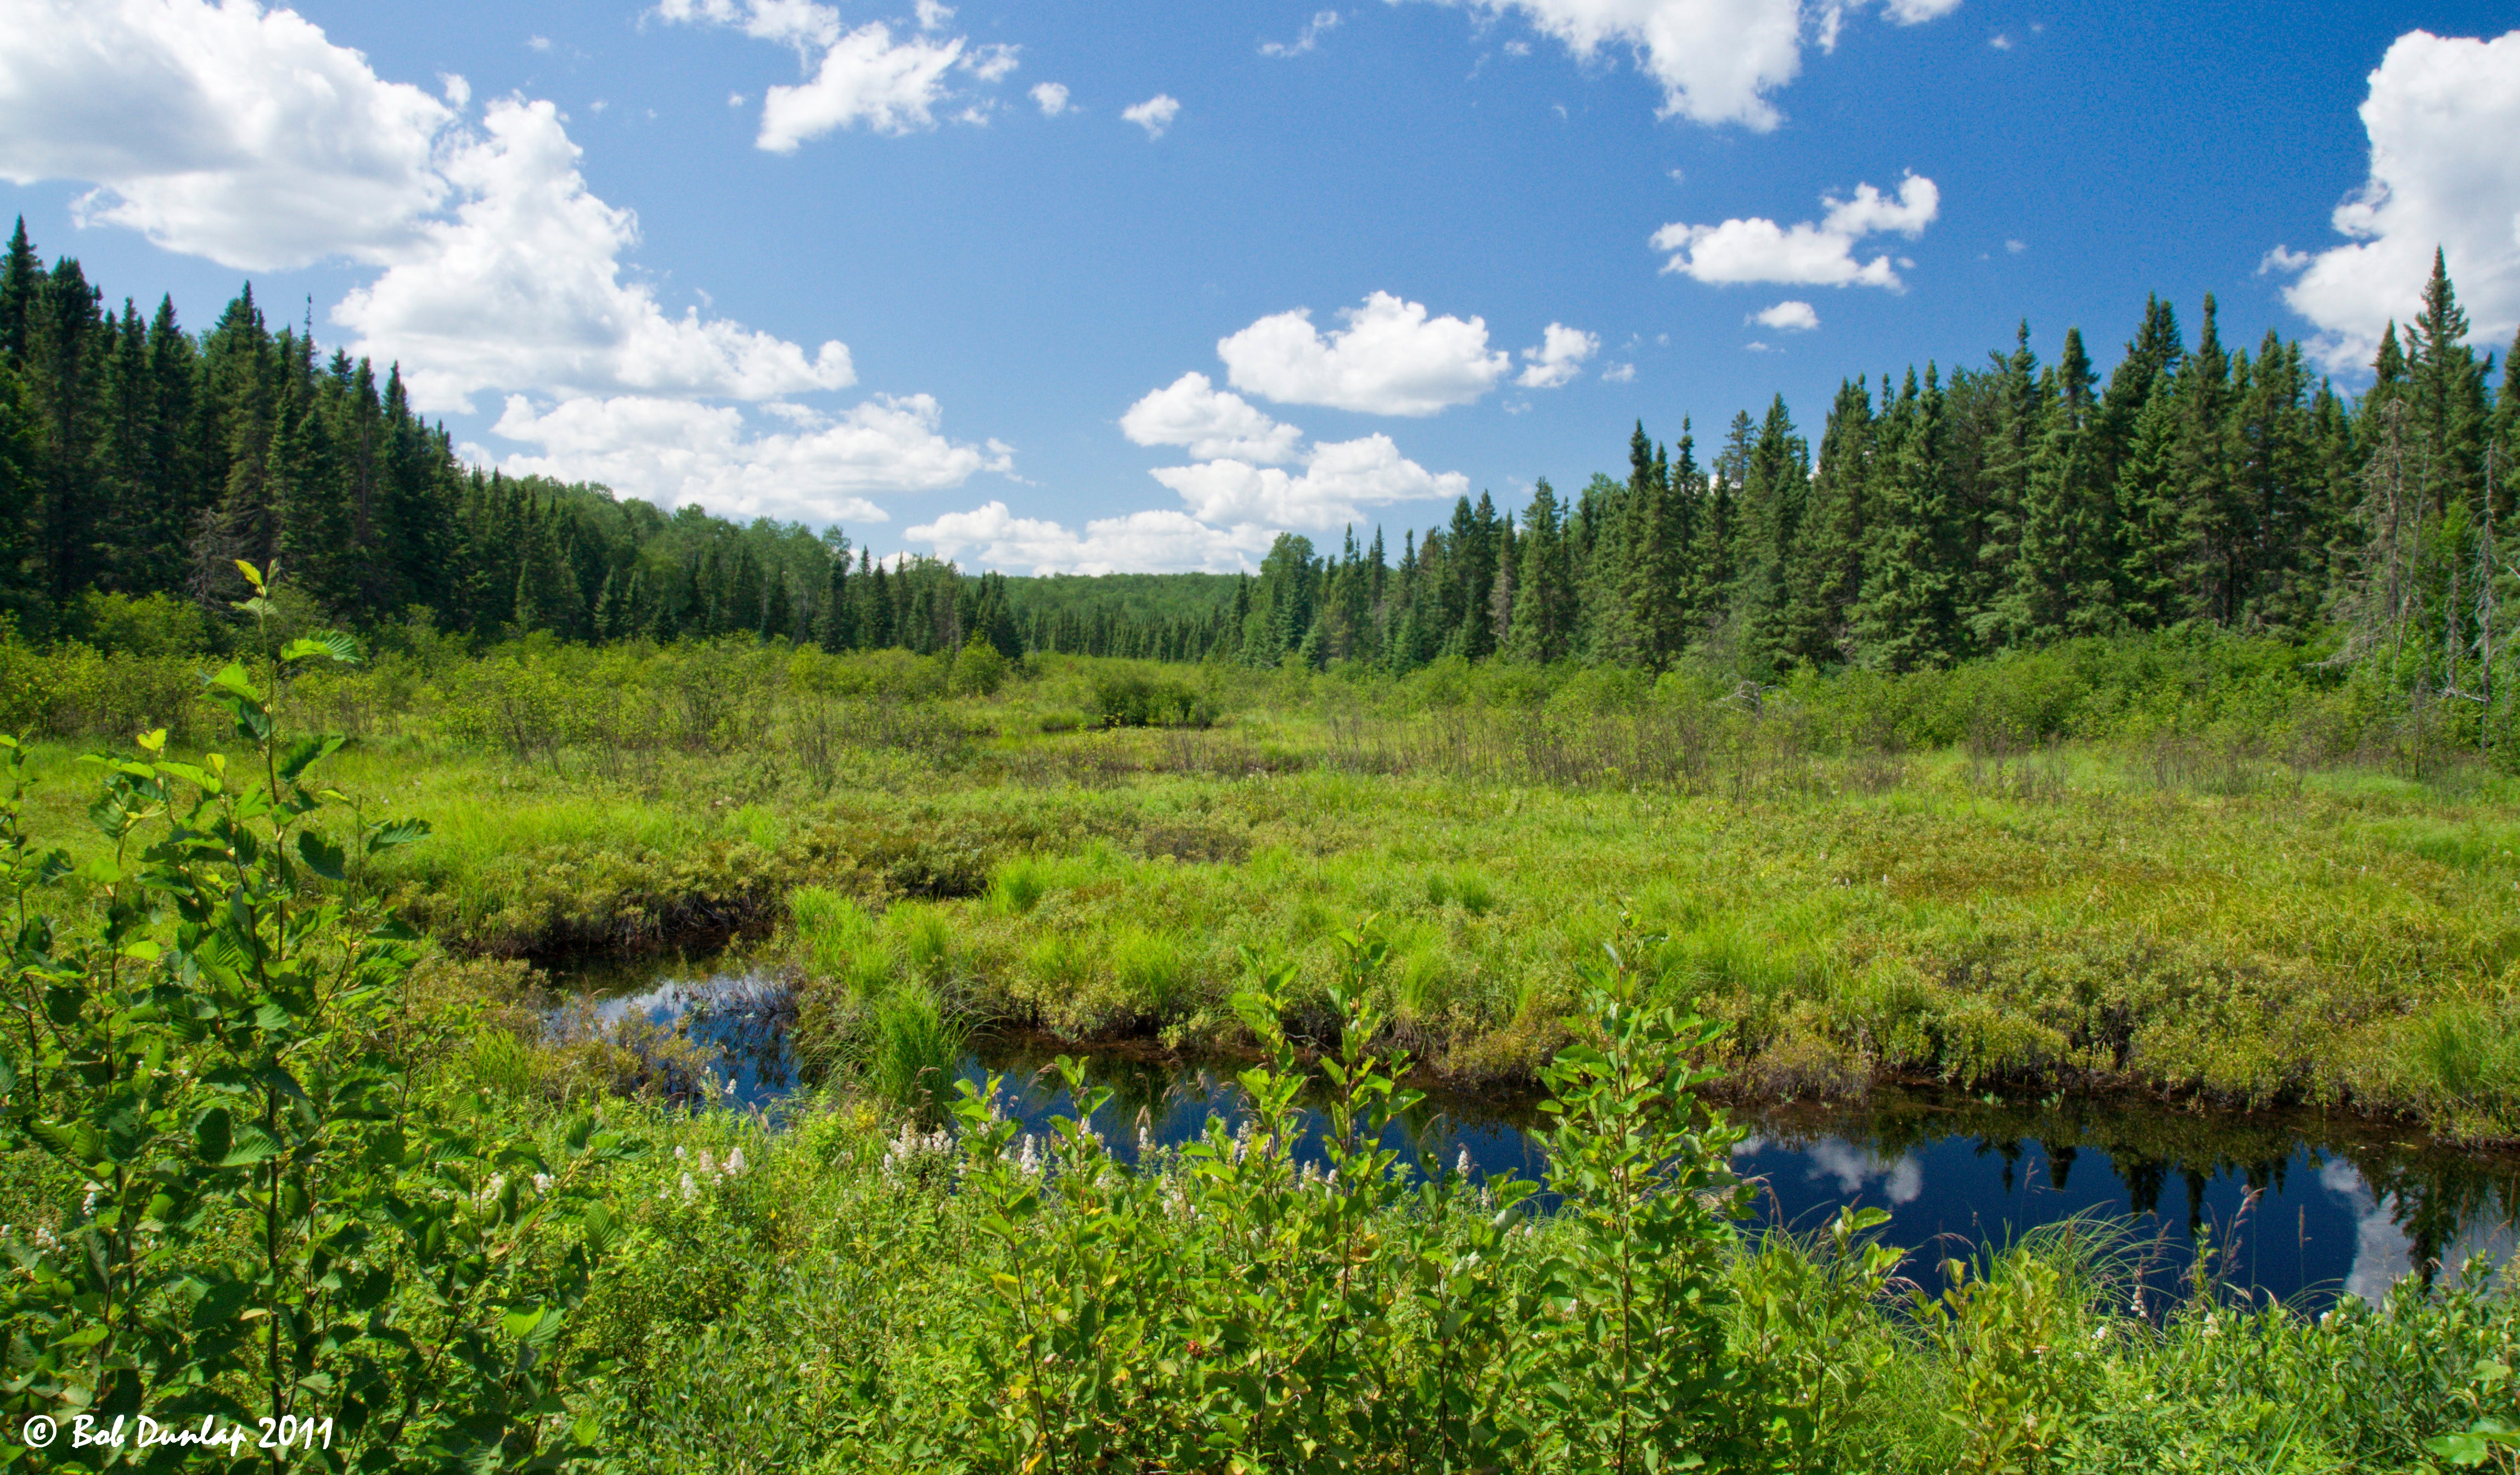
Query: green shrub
{"type": "Point", "coordinates": [281, 1219]}
{"type": "Point", "coordinates": [1141, 697]}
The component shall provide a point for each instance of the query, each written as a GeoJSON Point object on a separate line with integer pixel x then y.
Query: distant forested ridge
{"type": "Point", "coordinates": [1942, 516]}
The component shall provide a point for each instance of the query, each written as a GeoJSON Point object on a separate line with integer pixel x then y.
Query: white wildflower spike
{"type": "Point", "coordinates": [690, 1190]}
{"type": "Point", "coordinates": [1462, 1165]}
{"type": "Point", "coordinates": [708, 1166]}
{"type": "Point", "coordinates": [735, 1162]}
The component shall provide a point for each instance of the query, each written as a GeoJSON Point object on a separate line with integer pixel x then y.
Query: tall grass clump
{"type": "Point", "coordinates": [912, 1050]}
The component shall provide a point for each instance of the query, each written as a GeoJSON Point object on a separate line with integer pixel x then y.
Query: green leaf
{"type": "Point", "coordinates": [304, 753]}
{"type": "Point", "coordinates": [600, 1231]}
{"type": "Point", "coordinates": [213, 1135]}
{"type": "Point", "coordinates": [201, 778]}
{"type": "Point", "coordinates": [253, 1146]}
{"type": "Point", "coordinates": [399, 832]}
{"type": "Point", "coordinates": [331, 644]}
{"type": "Point", "coordinates": [232, 680]}
{"type": "Point", "coordinates": [533, 1326]}
{"type": "Point", "coordinates": [322, 856]}
{"type": "Point", "coordinates": [221, 1305]}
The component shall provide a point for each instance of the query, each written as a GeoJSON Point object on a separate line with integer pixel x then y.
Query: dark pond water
{"type": "Point", "coordinates": [2304, 1206]}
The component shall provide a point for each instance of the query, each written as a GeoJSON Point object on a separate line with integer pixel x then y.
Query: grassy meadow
{"type": "Point", "coordinates": [2187, 871]}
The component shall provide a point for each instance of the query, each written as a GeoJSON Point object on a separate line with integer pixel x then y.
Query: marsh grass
{"type": "Point", "coordinates": [2192, 870]}
{"type": "Point", "coordinates": [915, 1046]}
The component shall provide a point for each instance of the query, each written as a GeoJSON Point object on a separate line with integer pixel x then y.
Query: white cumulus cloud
{"type": "Point", "coordinates": [1716, 61]}
{"type": "Point", "coordinates": [1155, 541]}
{"type": "Point", "coordinates": [1390, 359]}
{"type": "Point", "coordinates": [1155, 115]}
{"type": "Point", "coordinates": [522, 289]}
{"type": "Point", "coordinates": [2440, 115]}
{"type": "Point", "coordinates": [675, 451]}
{"type": "Point", "coordinates": [799, 24]}
{"type": "Point", "coordinates": [228, 132]}
{"type": "Point", "coordinates": [1052, 98]}
{"type": "Point", "coordinates": [863, 77]}
{"type": "Point", "coordinates": [1340, 481]}
{"type": "Point", "coordinates": [1787, 317]}
{"type": "Point", "coordinates": [1192, 413]}
{"type": "Point", "coordinates": [250, 139]}
{"type": "Point", "coordinates": [1805, 255]}
{"type": "Point", "coordinates": [1559, 358]}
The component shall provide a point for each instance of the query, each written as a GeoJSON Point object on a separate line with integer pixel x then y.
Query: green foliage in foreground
{"type": "Point", "coordinates": [1002, 1301]}
{"type": "Point", "coordinates": [239, 1202]}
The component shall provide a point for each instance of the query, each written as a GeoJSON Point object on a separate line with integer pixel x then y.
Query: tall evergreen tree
{"type": "Point", "coordinates": [1544, 607]}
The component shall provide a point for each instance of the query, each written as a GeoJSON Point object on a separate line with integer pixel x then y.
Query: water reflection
{"type": "Point", "coordinates": [720, 1038]}
{"type": "Point", "coordinates": [2299, 1204]}
{"type": "Point", "coordinates": [2296, 1205]}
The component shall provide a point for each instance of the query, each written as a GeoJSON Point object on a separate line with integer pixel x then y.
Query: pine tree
{"type": "Point", "coordinates": [1777, 495]}
{"type": "Point", "coordinates": [1544, 596]}
{"type": "Point", "coordinates": [876, 620]}
{"type": "Point", "coordinates": [1657, 547]}
{"type": "Point", "coordinates": [2059, 578]}
{"type": "Point", "coordinates": [2207, 519]}
{"type": "Point", "coordinates": [20, 279]}
{"type": "Point", "coordinates": [66, 360]}
{"type": "Point", "coordinates": [2020, 403]}
{"type": "Point", "coordinates": [1904, 618]}
{"type": "Point", "coordinates": [1827, 570]}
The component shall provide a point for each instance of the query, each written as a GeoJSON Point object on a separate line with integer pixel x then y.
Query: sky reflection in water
{"type": "Point", "coordinates": [2336, 1207]}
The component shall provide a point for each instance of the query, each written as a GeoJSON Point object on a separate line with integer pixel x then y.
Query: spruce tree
{"type": "Point", "coordinates": [1656, 544]}
{"type": "Point", "coordinates": [2447, 396]}
{"type": "Point", "coordinates": [2207, 520]}
{"type": "Point", "coordinates": [65, 374]}
{"type": "Point", "coordinates": [1777, 492]}
{"type": "Point", "coordinates": [1826, 573]}
{"type": "Point", "coordinates": [1904, 618]}
{"type": "Point", "coordinates": [2060, 581]}
{"type": "Point", "coordinates": [1544, 596]}
{"type": "Point", "coordinates": [20, 278]}
{"type": "Point", "coordinates": [2021, 402]}
{"type": "Point", "coordinates": [878, 620]}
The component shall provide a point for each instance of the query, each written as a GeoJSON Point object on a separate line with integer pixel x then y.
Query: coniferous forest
{"type": "Point", "coordinates": [1935, 516]}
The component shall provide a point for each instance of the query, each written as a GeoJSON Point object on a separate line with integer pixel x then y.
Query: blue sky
{"type": "Point", "coordinates": [1515, 228]}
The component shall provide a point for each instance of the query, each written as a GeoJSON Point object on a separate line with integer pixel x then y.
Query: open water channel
{"type": "Point", "coordinates": [2304, 1206]}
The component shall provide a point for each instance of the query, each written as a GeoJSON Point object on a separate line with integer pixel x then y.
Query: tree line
{"type": "Point", "coordinates": [139, 462]}
{"type": "Point", "coordinates": [1944, 516]}
{"type": "Point", "coordinates": [1941, 517]}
